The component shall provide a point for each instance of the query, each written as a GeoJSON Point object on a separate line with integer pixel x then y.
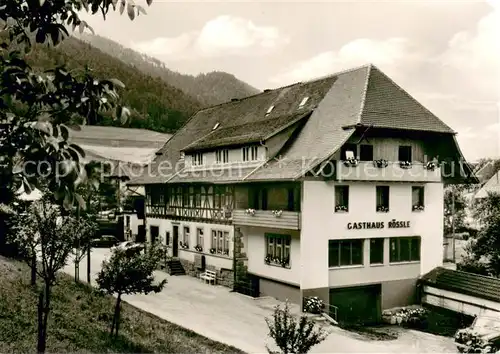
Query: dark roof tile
{"type": "Point", "coordinates": [464, 283]}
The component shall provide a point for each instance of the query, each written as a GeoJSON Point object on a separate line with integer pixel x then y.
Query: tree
{"type": "Point", "coordinates": [486, 246]}
{"type": "Point", "coordinates": [86, 229]}
{"type": "Point", "coordinates": [292, 335]}
{"type": "Point", "coordinates": [129, 272]}
{"type": "Point", "coordinates": [454, 213]}
{"type": "Point", "coordinates": [37, 108]}
{"type": "Point", "coordinates": [45, 234]}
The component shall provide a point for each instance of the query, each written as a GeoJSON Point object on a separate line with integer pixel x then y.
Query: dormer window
{"type": "Point", "coordinates": [270, 109]}
{"type": "Point", "coordinates": [182, 155]}
{"type": "Point", "coordinates": [303, 102]}
{"type": "Point", "coordinates": [250, 153]}
{"type": "Point", "coordinates": [222, 156]}
{"type": "Point", "coordinates": [198, 159]}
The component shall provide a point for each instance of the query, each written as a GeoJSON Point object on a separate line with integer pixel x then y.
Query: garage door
{"type": "Point", "coordinates": [357, 305]}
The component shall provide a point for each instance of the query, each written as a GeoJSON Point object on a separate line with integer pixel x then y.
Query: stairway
{"type": "Point", "coordinates": [175, 267]}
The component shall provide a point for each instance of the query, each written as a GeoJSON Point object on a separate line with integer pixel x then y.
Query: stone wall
{"type": "Point", "coordinates": [225, 277]}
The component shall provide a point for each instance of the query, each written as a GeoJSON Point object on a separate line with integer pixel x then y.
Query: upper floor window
{"type": "Point", "coordinates": [417, 198]}
{"type": "Point", "coordinates": [341, 198]}
{"type": "Point", "coordinates": [383, 199]}
{"type": "Point", "coordinates": [344, 155]}
{"type": "Point", "coordinates": [345, 253]}
{"type": "Point", "coordinates": [405, 249]}
{"type": "Point", "coordinates": [250, 153]}
{"type": "Point", "coordinates": [404, 153]}
{"type": "Point", "coordinates": [222, 156]}
{"type": "Point", "coordinates": [366, 152]}
{"type": "Point", "coordinates": [198, 159]}
{"type": "Point", "coordinates": [199, 237]}
{"type": "Point", "coordinates": [186, 235]}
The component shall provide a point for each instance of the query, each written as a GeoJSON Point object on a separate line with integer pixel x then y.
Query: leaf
{"type": "Point", "coordinates": [78, 149]}
{"type": "Point", "coordinates": [68, 200]}
{"type": "Point", "coordinates": [149, 2]}
{"type": "Point", "coordinates": [41, 2]}
{"type": "Point", "coordinates": [117, 82]}
{"type": "Point", "coordinates": [64, 132]}
{"type": "Point", "coordinates": [140, 9]}
{"type": "Point", "coordinates": [54, 35]}
{"type": "Point", "coordinates": [40, 35]}
{"type": "Point", "coordinates": [131, 11]}
{"type": "Point", "coordinates": [122, 7]}
{"type": "Point", "coordinates": [81, 26]}
{"type": "Point", "coordinates": [125, 114]}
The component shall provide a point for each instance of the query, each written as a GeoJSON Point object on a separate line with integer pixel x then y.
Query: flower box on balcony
{"type": "Point", "coordinates": [382, 209]}
{"type": "Point", "coordinates": [381, 163]}
{"type": "Point", "coordinates": [405, 164]}
{"type": "Point", "coordinates": [277, 213]}
{"type": "Point", "coordinates": [431, 166]}
{"type": "Point", "coordinates": [341, 209]}
{"type": "Point", "coordinates": [250, 212]}
{"type": "Point", "coordinates": [351, 162]}
{"type": "Point", "coordinates": [418, 208]}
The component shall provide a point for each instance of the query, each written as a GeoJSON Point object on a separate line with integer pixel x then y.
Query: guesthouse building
{"type": "Point", "coordinates": [330, 188]}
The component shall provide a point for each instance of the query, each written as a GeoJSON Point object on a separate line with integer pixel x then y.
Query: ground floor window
{"type": "Point", "coordinates": [345, 253]}
{"type": "Point", "coordinates": [405, 249]}
{"type": "Point", "coordinates": [220, 242]}
{"type": "Point", "coordinates": [376, 251]}
{"type": "Point", "coordinates": [278, 249]}
{"type": "Point", "coordinates": [185, 237]}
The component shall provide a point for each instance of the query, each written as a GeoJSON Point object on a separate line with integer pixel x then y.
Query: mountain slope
{"type": "Point", "coordinates": [155, 104]}
{"type": "Point", "coordinates": [210, 89]}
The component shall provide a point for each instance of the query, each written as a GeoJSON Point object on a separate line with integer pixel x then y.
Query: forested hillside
{"type": "Point", "coordinates": [155, 104]}
{"type": "Point", "coordinates": [210, 89]}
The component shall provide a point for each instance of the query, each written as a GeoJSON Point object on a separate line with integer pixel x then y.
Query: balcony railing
{"type": "Point", "coordinates": [288, 220]}
{"type": "Point", "coordinates": [176, 212]}
{"type": "Point", "coordinates": [389, 171]}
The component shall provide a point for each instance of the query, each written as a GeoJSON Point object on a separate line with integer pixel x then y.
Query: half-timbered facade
{"type": "Point", "coordinates": [329, 188]}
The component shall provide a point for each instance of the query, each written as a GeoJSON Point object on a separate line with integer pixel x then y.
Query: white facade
{"type": "Point", "coordinates": [320, 223]}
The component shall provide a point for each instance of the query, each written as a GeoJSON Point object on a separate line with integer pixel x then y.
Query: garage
{"type": "Point", "coordinates": [357, 305]}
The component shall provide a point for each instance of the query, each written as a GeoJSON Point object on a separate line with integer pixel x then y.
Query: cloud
{"type": "Point", "coordinates": [221, 36]}
{"type": "Point", "coordinates": [356, 53]}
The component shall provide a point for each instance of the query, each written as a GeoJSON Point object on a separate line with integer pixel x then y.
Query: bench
{"type": "Point", "coordinates": [209, 276]}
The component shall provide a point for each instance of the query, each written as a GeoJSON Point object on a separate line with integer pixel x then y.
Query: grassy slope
{"type": "Point", "coordinates": [80, 319]}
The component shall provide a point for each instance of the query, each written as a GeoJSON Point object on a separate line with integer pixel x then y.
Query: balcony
{"type": "Point", "coordinates": [392, 171]}
{"type": "Point", "coordinates": [288, 220]}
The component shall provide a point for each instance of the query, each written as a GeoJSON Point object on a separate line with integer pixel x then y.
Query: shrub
{"type": "Point", "coordinates": [474, 342]}
{"type": "Point", "coordinates": [313, 304]}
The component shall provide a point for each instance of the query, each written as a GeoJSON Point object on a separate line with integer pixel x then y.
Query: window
{"type": "Point", "coordinates": [199, 237]}
{"type": "Point", "coordinates": [404, 153]}
{"type": "Point", "coordinates": [377, 251]}
{"type": "Point", "coordinates": [222, 156]}
{"type": "Point", "coordinates": [345, 253]}
{"type": "Point", "coordinates": [220, 242]}
{"type": "Point", "coordinates": [405, 249]}
{"type": "Point", "coordinates": [341, 198]}
{"type": "Point", "coordinates": [383, 199]}
{"type": "Point", "coordinates": [128, 221]}
{"type": "Point", "coordinates": [417, 198]}
{"type": "Point", "coordinates": [185, 238]}
{"type": "Point", "coordinates": [198, 159]}
{"type": "Point", "coordinates": [182, 155]}
{"type": "Point", "coordinates": [167, 238]}
{"type": "Point", "coordinates": [216, 126]}
{"type": "Point", "coordinates": [270, 109]}
{"type": "Point", "coordinates": [291, 199]}
{"type": "Point", "coordinates": [155, 232]}
{"type": "Point", "coordinates": [366, 152]}
{"type": "Point", "coordinates": [303, 102]}
{"type": "Point", "coordinates": [250, 153]}
{"type": "Point", "coordinates": [278, 249]}
{"type": "Point", "coordinates": [348, 147]}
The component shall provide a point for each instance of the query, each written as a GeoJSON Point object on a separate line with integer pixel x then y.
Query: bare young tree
{"type": "Point", "coordinates": [129, 272]}
{"type": "Point", "coordinates": [44, 234]}
{"type": "Point", "coordinates": [293, 335]}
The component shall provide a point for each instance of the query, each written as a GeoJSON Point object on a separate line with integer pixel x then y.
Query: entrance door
{"type": "Point", "coordinates": [155, 232]}
{"type": "Point", "coordinates": [357, 305]}
{"type": "Point", "coordinates": [175, 241]}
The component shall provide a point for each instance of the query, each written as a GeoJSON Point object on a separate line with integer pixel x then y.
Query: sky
{"type": "Point", "coordinates": [446, 54]}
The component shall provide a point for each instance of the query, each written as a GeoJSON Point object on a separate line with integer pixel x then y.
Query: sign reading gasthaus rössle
{"type": "Point", "coordinates": [393, 224]}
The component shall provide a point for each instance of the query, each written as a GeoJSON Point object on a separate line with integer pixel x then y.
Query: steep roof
{"type": "Point", "coordinates": [113, 136]}
{"type": "Point", "coordinates": [336, 104]}
{"type": "Point", "coordinates": [492, 186]}
{"type": "Point", "coordinates": [479, 286]}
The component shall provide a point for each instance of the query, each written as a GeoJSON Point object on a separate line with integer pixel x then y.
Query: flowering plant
{"type": "Point", "coordinates": [277, 213]}
{"type": "Point", "coordinates": [285, 262]}
{"type": "Point", "coordinates": [340, 208]}
{"type": "Point", "coordinates": [382, 209]}
{"type": "Point", "coordinates": [431, 166]}
{"type": "Point", "coordinates": [381, 163]}
{"type": "Point", "coordinates": [250, 211]}
{"type": "Point", "coordinates": [313, 304]}
{"type": "Point", "coordinates": [198, 248]}
{"type": "Point", "coordinates": [267, 259]}
{"type": "Point", "coordinates": [351, 162]}
{"type": "Point", "coordinates": [405, 164]}
{"type": "Point", "coordinates": [212, 250]}
{"type": "Point", "coordinates": [473, 341]}
{"type": "Point", "coordinates": [225, 252]}
{"type": "Point", "coordinates": [184, 245]}
{"type": "Point", "coordinates": [412, 317]}
{"type": "Point", "coordinates": [418, 207]}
